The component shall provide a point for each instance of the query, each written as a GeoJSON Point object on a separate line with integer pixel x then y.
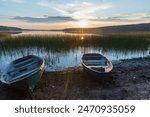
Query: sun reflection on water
{"type": "Point", "coordinates": [82, 38]}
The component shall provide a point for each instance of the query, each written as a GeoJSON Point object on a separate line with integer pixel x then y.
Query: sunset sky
{"type": "Point", "coordinates": [59, 14]}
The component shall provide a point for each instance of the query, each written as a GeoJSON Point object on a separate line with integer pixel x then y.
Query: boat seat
{"type": "Point", "coordinates": [91, 61]}
{"type": "Point", "coordinates": [23, 63]}
{"type": "Point", "coordinates": [22, 59]}
{"type": "Point", "coordinates": [23, 68]}
{"type": "Point", "coordinates": [95, 61]}
{"type": "Point", "coordinates": [92, 58]}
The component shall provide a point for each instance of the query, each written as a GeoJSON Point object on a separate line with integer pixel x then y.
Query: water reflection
{"type": "Point", "coordinates": [82, 37]}
{"type": "Point", "coordinates": [49, 33]}
{"type": "Point", "coordinates": [59, 57]}
{"type": "Point", "coordinates": [56, 61]}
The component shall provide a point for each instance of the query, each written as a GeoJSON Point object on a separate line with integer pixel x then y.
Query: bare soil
{"type": "Point", "coordinates": [129, 80]}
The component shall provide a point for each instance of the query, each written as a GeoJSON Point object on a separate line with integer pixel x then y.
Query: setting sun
{"type": "Point", "coordinates": [82, 23]}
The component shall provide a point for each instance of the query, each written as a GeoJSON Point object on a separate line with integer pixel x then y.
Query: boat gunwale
{"type": "Point", "coordinates": [99, 72]}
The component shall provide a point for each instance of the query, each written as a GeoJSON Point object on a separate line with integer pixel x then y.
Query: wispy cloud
{"type": "Point", "coordinates": [126, 17]}
{"type": "Point", "coordinates": [135, 17]}
{"type": "Point", "coordinates": [43, 19]}
{"type": "Point", "coordinates": [77, 10]}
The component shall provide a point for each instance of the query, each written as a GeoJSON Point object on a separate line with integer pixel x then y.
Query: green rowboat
{"type": "Point", "coordinates": [24, 73]}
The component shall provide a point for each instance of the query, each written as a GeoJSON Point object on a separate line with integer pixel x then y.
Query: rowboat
{"type": "Point", "coordinates": [96, 64]}
{"type": "Point", "coordinates": [24, 73]}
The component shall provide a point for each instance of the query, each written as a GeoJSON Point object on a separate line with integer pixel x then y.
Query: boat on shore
{"type": "Point", "coordinates": [24, 73]}
{"type": "Point", "coordinates": [96, 64]}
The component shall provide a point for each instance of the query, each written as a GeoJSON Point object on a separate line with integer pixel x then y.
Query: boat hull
{"type": "Point", "coordinates": [24, 73]}
{"type": "Point", "coordinates": [102, 76]}
{"type": "Point", "coordinates": [29, 82]}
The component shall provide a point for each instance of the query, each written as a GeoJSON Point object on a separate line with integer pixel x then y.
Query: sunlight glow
{"type": "Point", "coordinates": [83, 23]}
{"type": "Point", "coordinates": [82, 37]}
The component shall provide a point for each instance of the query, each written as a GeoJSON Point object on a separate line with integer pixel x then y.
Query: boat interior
{"type": "Point", "coordinates": [23, 66]}
{"type": "Point", "coordinates": [95, 60]}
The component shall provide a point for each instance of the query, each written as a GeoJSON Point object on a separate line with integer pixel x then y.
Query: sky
{"type": "Point", "coordinates": [60, 14]}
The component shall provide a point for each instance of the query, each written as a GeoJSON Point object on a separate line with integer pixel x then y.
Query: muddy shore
{"type": "Point", "coordinates": [129, 80]}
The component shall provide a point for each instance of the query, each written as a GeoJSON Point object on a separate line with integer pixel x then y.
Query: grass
{"type": "Point", "coordinates": [122, 42]}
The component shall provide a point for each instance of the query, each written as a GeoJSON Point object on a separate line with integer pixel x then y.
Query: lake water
{"type": "Point", "coordinates": [48, 33]}
{"type": "Point", "coordinates": [57, 61]}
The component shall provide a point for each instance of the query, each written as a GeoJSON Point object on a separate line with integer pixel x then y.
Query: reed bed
{"type": "Point", "coordinates": [4, 35]}
{"type": "Point", "coordinates": [67, 42]}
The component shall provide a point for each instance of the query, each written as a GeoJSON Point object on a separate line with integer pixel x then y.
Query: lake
{"type": "Point", "coordinates": [60, 59]}
{"type": "Point", "coordinates": [50, 33]}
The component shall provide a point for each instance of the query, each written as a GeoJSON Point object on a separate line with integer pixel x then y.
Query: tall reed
{"type": "Point", "coordinates": [66, 42]}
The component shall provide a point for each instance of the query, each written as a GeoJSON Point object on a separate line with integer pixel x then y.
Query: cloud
{"type": "Point", "coordinates": [135, 17]}
{"type": "Point", "coordinates": [126, 17]}
{"type": "Point", "coordinates": [77, 10]}
{"type": "Point", "coordinates": [44, 19]}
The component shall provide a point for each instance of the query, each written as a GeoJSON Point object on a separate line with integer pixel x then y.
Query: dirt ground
{"type": "Point", "coordinates": [129, 80]}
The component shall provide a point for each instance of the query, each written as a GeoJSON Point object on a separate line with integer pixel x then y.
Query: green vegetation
{"type": "Point", "coordinates": [119, 42]}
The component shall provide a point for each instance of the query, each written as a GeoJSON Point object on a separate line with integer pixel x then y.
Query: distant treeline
{"type": "Point", "coordinates": [145, 27]}
{"type": "Point", "coordinates": [9, 29]}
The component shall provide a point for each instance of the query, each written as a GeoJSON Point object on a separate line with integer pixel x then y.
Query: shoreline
{"type": "Point", "coordinates": [129, 80]}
